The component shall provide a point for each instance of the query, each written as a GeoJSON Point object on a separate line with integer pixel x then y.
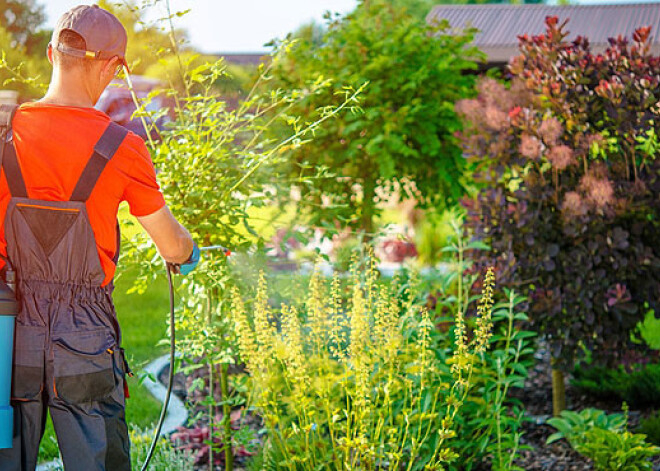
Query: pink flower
{"type": "Point", "coordinates": [496, 119]}
{"type": "Point", "coordinates": [550, 130]}
{"type": "Point", "coordinates": [561, 157]}
{"type": "Point", "coordinates": [573, 205]}
{"type": "Point", "coordinates": [599, 191]}
{"type": "Point", "coordinates": [602, 193]}
{"type": "Point", "coordinates": [530, 146]}
{"type": "Point", "coordinates": [491, 91]}
{"type": "Point", "coordinates": [469, 109]}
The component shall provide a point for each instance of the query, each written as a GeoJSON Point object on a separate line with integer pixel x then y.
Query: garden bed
{"type": "Point", "coordinates": [196, 431]}
{"type": "Point", "coordinates": [537, 399]}
{"type": "Point", "coordinates": [536, 396]}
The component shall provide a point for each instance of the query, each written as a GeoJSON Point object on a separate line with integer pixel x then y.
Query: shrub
{"type": "Point", "coordinates": [433, 233]}
{"type": "Point", "coordinates": [566, 157]}
{"type": "Point", "coordinates": [639, 388]}
{"type": "Point", "coordinates": [618, 451]}
{"type": "Point", "coordinates": [490, 422]}
{"type": "Point", "coordinates": [604, 439]}
{"type": "Point", "coordinates": [357, 383]}
{"type": "Point", "coordinates": [650, 427]}
{"type": "Point", "coordinates": [573, 426]}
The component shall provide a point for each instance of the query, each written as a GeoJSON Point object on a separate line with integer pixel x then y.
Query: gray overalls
{"type": "Point", "coordinates": [67, 355]}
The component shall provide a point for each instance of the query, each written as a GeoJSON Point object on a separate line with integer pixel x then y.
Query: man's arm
{"type": "Point", "coordinates": [173, 241]}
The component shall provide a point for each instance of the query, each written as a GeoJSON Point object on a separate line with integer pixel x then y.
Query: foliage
{"type": "Point", "coordinates": [414, 74]}
{"type": "Point", "coordinates": [566, 157]}
{"type": "Point", "coordinates": [650, 427]}
{"type": "Point", "coordinates": [234, 83]}
{"type": "Point", "coordinates": [195, 442]}
{"type": "Point", "coordinates": [639, 388]}
{"type": "Point", "coordinates": [611, 451]}
{"type": "Point", "coordinates": [604, 439]}
{"type": "Point", "coordinates": [573, 426]}
{"type": "Point", "coordinates": [28, 75]}
{"type": "Point", "coordinates": [356, 385]}
{"type": "Point", "coordinates": [649, 331]}
{"type": "Point", "coordinates": [22, 19]}
{"type": "Point", "coordinates": [433, 233]}
{"type": "Point", "coordinates": [343, 254]}
{"type": "Point", "coordinates": [165, 458]}
{"type": "Point", "coordinates": [215, 163]}
{"type": "Point", "coordinates": [490, 421]}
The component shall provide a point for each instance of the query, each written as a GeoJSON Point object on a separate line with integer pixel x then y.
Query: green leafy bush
{"type": "Point", "coordinates": [215, 164]}
{"type": "Point", "coordinates": [573, 426]}
{"type": "Point", "coordinates": [433, 233]}
{"type": "Point", "coordinates": [618, 451]}
{"type": "Point", "coordinates": [650, 427]}
{"type": "Point", "coordinates": [604, 439]}
{"type": "Point", "coordinates": [639, 388]}
{"type": "Point", "coordinates": [570, 200]}
{"type": "Point", "coordinates": [491, 421]}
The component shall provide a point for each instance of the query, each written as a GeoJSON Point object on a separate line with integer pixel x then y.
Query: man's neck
{"type": "Point", "coordinates": [67, 91]}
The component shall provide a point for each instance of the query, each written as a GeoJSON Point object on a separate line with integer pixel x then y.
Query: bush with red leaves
{"type": "Point", "coordinates": [566, 159]}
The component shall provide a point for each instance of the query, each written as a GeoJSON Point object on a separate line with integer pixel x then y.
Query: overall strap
{"type": "Point", "coordinates": [104, 150]}
{"type": "Point", "coordinates": [8, 158]}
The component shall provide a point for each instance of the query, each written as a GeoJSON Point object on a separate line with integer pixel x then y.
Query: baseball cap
{"type": "Point", "coordinates": [104, 35]}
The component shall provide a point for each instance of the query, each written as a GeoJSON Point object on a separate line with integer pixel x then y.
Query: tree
{"type": "Point", "coordinates": [567, 159]}
{"type": "Point", "coordinates": [404, 138]}
{"type": "Point", "coordinates": [21, 18]}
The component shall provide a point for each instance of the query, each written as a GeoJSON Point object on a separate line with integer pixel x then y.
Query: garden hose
{"type": "Point", "coordinates": [170, 381]}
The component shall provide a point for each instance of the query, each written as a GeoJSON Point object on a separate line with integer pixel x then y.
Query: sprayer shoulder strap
{"type": "Point", "coordinates": [104, 150]}
{"type": "Point", "coordinates": [8, 160]}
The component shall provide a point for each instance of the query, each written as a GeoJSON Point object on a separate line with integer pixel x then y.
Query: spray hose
{"type": "Point", "coordinates": [170, 381]}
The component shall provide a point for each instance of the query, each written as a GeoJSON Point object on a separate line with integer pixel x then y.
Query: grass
{"type": "Point", "coordinates": [143, 322]}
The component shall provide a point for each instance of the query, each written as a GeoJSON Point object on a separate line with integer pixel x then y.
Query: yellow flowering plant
{"type": "Point", "coordinates": [351, 380]}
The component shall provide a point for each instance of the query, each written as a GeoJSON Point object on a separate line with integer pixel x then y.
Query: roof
{"type": "Point", "coordinates": [243, 58]}
{"type": "Point", "coordinates": [500, 25]}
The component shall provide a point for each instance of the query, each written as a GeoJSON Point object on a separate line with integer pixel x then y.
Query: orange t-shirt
{"type": "Point", "coordinates": [53, 144]}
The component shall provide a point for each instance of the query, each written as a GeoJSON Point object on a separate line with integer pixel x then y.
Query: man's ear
{"type": "Point", "coordinates": [49, 53]}
{"type": "Point", "coordinates": [110, 66]}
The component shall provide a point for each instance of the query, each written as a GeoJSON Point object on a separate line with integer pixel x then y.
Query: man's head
{"type": "Point", "coordinates": [88, 45]}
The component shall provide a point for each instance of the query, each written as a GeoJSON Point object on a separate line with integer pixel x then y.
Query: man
{"type": "Point", "coordinates": [66, 168]}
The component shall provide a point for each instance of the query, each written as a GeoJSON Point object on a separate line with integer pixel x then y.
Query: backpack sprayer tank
{"type": "Point", "coordinates": [8, 312]}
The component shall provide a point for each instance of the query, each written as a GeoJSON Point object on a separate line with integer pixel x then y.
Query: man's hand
{"type": "Point", "coordinates": [189, 265]}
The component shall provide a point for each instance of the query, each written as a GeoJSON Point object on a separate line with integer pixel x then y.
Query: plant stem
{"type": "Point", "coordinates": [211, 414]}
{"type": "Point", "coordinates": [558, 391]}
{"type": "Point", "coordinates": [226, 417]}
